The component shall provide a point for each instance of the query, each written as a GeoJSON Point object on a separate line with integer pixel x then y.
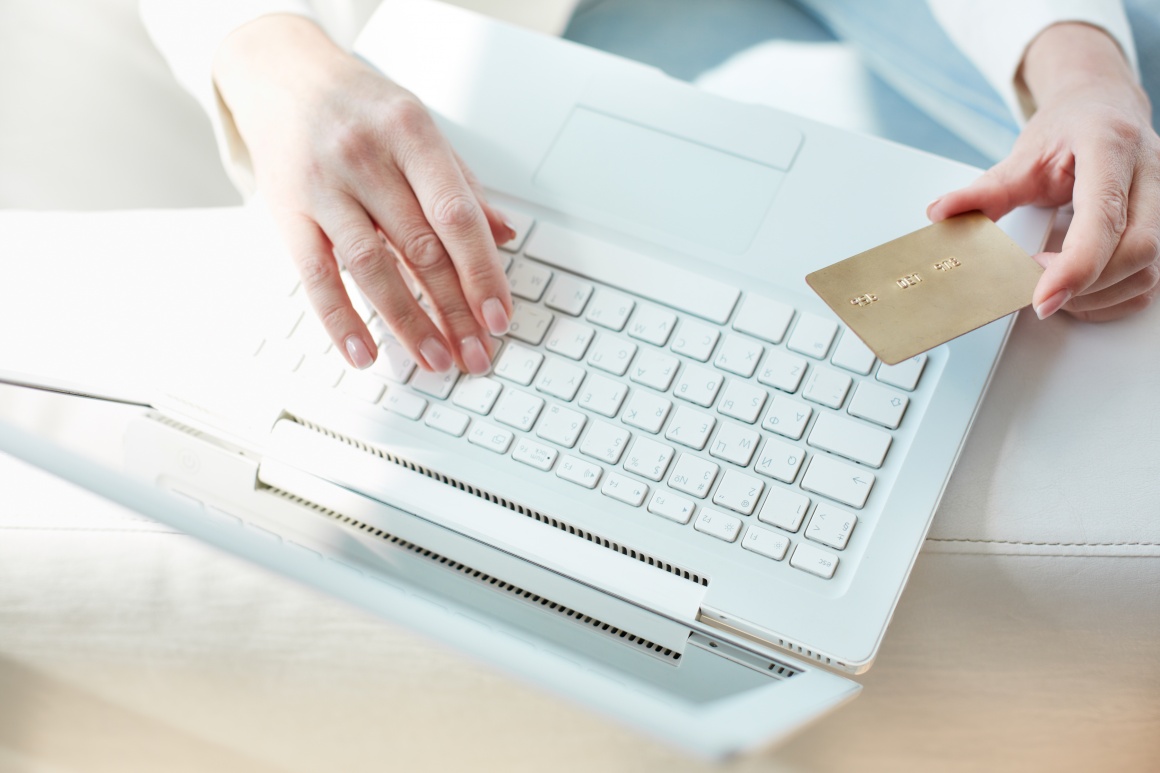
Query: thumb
{"type": "Point", "coordinates": [1008, 184]}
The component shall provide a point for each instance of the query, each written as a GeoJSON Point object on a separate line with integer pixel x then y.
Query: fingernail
{"type": "Point", "coordinates": [1053, 304]}
{"type": "Point", "coordinates": [495, 317]}
{"type": "Point", "coordinates": [511, 230]}
{"type": "Point", "coordinates": [931, 205]}
{"type": "Point", "coordinates": [436, 354]}
{"type": "Point", "coordinates": [474, 356]}
{"type": "Point", "coordinates": [360, 355]}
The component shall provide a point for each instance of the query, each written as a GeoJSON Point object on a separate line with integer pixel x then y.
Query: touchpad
{"type": "Point", "coordinates": [658, 180]}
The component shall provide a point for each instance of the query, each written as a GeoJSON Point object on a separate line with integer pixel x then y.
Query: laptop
{"type": "Point", "coordinates": [685, 497]}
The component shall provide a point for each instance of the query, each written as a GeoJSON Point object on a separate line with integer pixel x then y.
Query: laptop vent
{"type": "Point", "coordinates": [482, 578]}
{"type": "Point", "coordinates": [641, 556]}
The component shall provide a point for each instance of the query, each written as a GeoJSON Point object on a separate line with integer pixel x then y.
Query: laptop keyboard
{"type": "Point", "coordinates": [739, 417]}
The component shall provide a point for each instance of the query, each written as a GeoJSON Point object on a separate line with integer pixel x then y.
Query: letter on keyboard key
{"type": "Point", "coordinates": [491, 437]}
{"type": "Point", "coordinates": [560, 378]}
{"type": "Point", "coordinates": [405, 404]}
{"type": "Point", "coordinates": [846, 483]}
{"type": "Point", "coordinates": [718, 525]}
{"type": "Point", "coordinates": [735, 444]}
{"type": "Point", "coordinates": [782, 371]}
{"type": "Point", "coordinates": [446, 420]}
{"type": "Point", "coordinates": [739, 355]}
{"type": "Point", "coordinates": [569, 338]}
{"type": "Point", "coordinates": [527, 279]}
{"type": "Point", "coordinates": [611, 354]}
{"type": "Point", "coordinates": [394, 362]}
{"type": "Point", "coordinates": [742, 401]}
{"type": "Point", "coordinates": [654, 369]}
{"type": "Point", "coordinates": [518, 409]}
{"type": "Point", "coordinates": [646, 411]}
{"type": "Point", "coordinates": [812, 336]}
{"type": "Point", "coordinates": [695, 339]}
{"type": "Point", "coordinates": [648, 458]}
{"type": "Point", "coordinates": [853, 355]}
{"type": "Point", "coordinates": [849, 438]}
{"type": "Point", "coordinates": [693, 475]}
{"type": "Point", "coordinates": [690, 428]}
{"type": "Point", "coordinates": [738, 492]}
{"type": "Point", "coordinates": [652, 325]}
{"type": "Point", "coordinates": [831, 526]}
{"type": "Point", "coordinates": [578, 471]}
{"type": "Point", "coordinates": [787, 417]}
{"type": "Point", "coordinates": [814, 560]}
{"type": "Point", "coordinates": [610, 309]}
{"type": "Point", "coordinates": [477, 394]}
{"type": "Point", "coordinates": [905, 374]}
{"type": "Point", "coordinates": [765, 542]}
{"type": "Point", "coordinates": [698, 385]}
{"type": "Point", "coordinates": [625, 489]}
{"type": "Point", "coordinates": [518, 364]}
{"type": "Point", "coordinates": [435, 384]}
{"type": "Point", "coordinates": [529, 323]}
{"type": "Point", "coordinates": [602, 395]}
{"type": "Point", "coordinates": [537, 455]}
{"type": "Point", "coordinates": [763, 318]}
{"type": "Point", "coordinates": [784, 509]}
{"type": "Point", "coordinates": [568, 294]}
{"type": "Point", "coordinates": [561, 426]}
{"type": "Point", "coordinates": [826, 387]}
{"type": "Point", "coordinates": [879, 405]}
{"type": "Point", "coordinates": [605, 442]}
{"type": "Point", "coordinates": [668, 505]}
{"type": "Point", "coordinates": [779, 460]}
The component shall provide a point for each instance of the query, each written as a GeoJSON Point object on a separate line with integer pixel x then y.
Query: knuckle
{"type": "Point", "coordinates": [353, 142]}
{"type": "Point", "coordinates": [409, 116]}
{"type": "Point", "coordinates": [454, 211]}
{"type": "Point", "coordinates": [362, 254]}
{"type": "Point", "coordinates": [406, 320]}
{"type": "Point", "coordinates": [315, 271]}
{"type": "Point", "coordinates": [1126, 131]}
{"type": "Point", "coordinates": [334, 318]}
{"type": "Point", "coordinates": [1147, 246]}
{"type": "Point", "coordinates": [1114, 204]}
{"type": "Point", "coordinates": [1150, 278]}
{"type": "Point", "coordinates": [423, 250]}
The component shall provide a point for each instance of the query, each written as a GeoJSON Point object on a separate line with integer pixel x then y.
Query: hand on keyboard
{"type": "Point", "coordinates": [342, 155]}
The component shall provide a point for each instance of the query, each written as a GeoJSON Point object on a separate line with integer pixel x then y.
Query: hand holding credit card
{"type": "Point", "coordinates": [923, 289]}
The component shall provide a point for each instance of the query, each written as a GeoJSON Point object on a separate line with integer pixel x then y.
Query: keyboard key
{"type": "Point", "coordinates": [652, 325]}
{"type": "Point", "coordinates": [528, 279]}
{"type": "Point", "coordinates": [446, 420]}
{"type": "Point", "coordinates": [668, 505]}
{"type": "Point", "coordinates": [784, 509]}
{"type": "Point", "coordinates": [578, 471]}
{"type": "Point", "coordinates": [718, 525]}
{"type": "Point", "coordinates": [698, 385]}
{"type": "Point", "coordinates": [814, 560]}
{"type": "Point", "coordinates": [624, 489]}
{"type": "Point", "coordinates": [826, 387]}
{"type": "Point", "coordinates": [742, 401]}
{"type": "Point", "coordinates": [522, 223]}
{"type": "Point", "coordinates": [738, 492]}
{"type": "Point", "coordinates": [518, 409]}
{"type": "Point", "coordinates": [537, 455]}
{"type": "Point", "coordinates": [765, 542]}
{"type": "Point", "coordinates": [695, 339]}
{"type": "Point", "coordinates": [787, 417]}
{"type": "Point", "coordinates": [435, 384]}
{"type": "Point", "coordinates": [529, 323]}
{"type": "Point", "coordinates": [518, 364]}
{"type": "Point", "coordinates": [654, 369]}
{"type": "Point", "coordinates": [609, 309]}
{"type": "Point", "coordinates": [561, 425]}
{"type": "Point", "coordinates": [491, 437]}
{"type": "Point", "coordinates": [782, 371]}
{"type": "Point", "coordinates": [560, 378]}
{"type": "Point", "coordinates": [693, 475]}
{"type": "Point", "coordinates": [905, 374]}
{"type": "Point", "coordinates": [611, 354]}
{"type": "Point", "coordinates": [851, 439]}
{"type": "Point", "coordinates": [844, 482]}
{"type": "Point", "coordinates": [812, 336]}
{"type": "Point", "coordinates": [690, 428]}
{"type": "Point", "coordinates": [853, 355]}
{"type": "Point", "coordinates": [648, 458]}
{"type": "Point", "coordinates": [763, 318]}
{"type": "Point", "coordinates": [394, 363]}
{"type": "Point", "coordinates": [605, 442]}
{"type": "Point", "coordinates": [646, 411]}
{"type": "Point", "coordinates": [310, 337]}
{"type": "Point", "coordinates": [831, 526]}
{"type": "Point", "coordinates": [735, 444]}
{"type": "Point", "coordinates": [477, 394]}
{"type": "Point", "coordinates": [362, 386]}
{"type": "Point", "coordinates": [405, 404]}
{"type": "Point", "coordinates": [739, 355]}
{"type": "Point", "coordinates": [602, 395]}
{"type": "Point", "coordinates": [569, 338]}
{"type": "Point", "coordinates": [879, 405]}
{"type": "Point", "coordinates": [779, 460]}
{"type": "Point", "coordinates": [568, 294]}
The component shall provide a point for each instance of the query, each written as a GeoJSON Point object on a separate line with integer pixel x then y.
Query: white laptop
{"type": "Point", "coordinates": [685, 496]}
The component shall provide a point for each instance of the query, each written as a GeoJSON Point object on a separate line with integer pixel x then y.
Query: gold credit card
{"type": "Point", "coordinates": [923, 289]}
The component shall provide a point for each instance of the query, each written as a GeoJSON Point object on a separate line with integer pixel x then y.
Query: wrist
{"type": "Point", "coordinates": [1072, 56]}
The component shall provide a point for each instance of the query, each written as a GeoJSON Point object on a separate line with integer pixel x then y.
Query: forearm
{"type": "Point", "coordinates": [1071, 56]}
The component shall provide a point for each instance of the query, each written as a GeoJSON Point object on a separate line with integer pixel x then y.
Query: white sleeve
{"type": "Point", "coordinates": [995, 34]}
{"type": "Point", "coordinates": [188, 34]}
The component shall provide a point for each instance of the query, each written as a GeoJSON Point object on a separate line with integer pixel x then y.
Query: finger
{"type": "Point", "coordinates": [401, 218]}
{"type": "Point", "coordinates": [501, 227]}
{"type": "Point", "coordinates": [1139, 246]}
{"type": "Point", "coordinates": [1137, 284]}
{"type": "Point", "coordinates": [312, 255]}
{"type": "Point", "coordinates": [1009, 184]}
{"type": "Point", "coordinates": [1123, 309]}
{"type": "Point", "coordinates": [375, 270]}
{"type": "Point", "coordinates": [450, 206]}
{"type": "Point", "coordinates": [1100, 200]}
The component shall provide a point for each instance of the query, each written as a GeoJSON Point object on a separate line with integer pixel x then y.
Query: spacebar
{"type": "Point", "coordinates": [632, 272]}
